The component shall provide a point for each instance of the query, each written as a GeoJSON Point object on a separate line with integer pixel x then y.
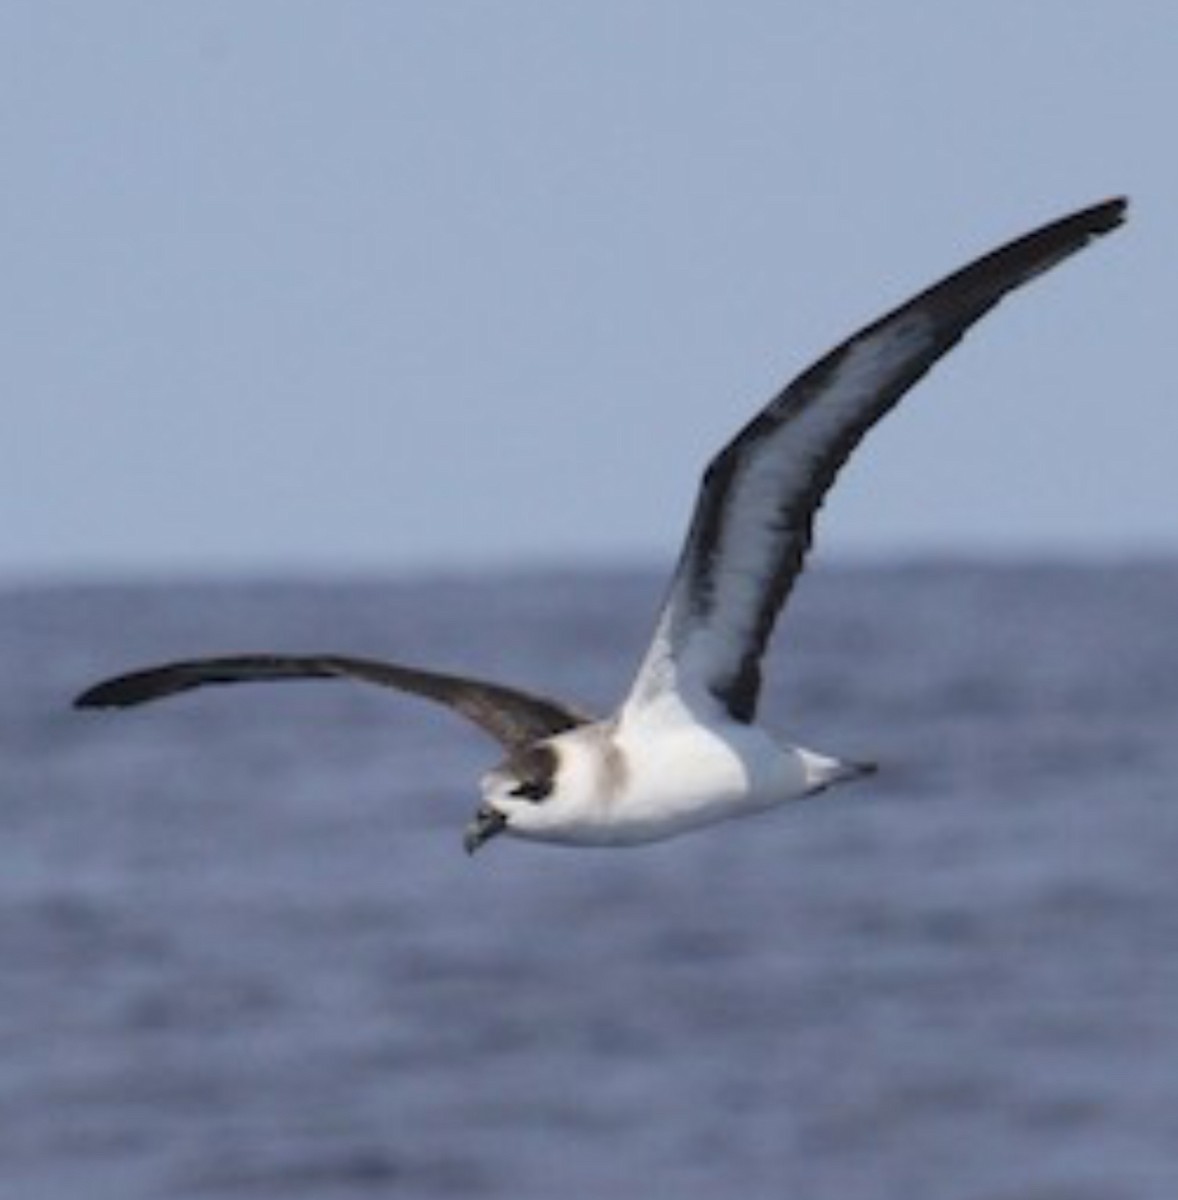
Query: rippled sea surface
{"type": "Point", "coordinates": [243, 955]}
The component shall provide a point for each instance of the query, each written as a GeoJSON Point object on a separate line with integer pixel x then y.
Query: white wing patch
{"type": "Point", "coordinates": [702, 643]}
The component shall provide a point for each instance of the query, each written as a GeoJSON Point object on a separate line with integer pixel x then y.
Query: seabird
{"type": "Point", "coordinates": [682, 750]}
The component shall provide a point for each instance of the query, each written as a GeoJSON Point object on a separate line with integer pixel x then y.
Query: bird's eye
{"type": "Point", "coordinates": [531, 789]}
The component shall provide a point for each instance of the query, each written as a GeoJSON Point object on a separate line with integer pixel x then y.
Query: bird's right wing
{"type": "Point", "coordinates": [513, 718]}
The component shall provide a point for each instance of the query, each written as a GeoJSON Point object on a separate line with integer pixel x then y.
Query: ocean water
{"type": "Point", "coordinates": [242, 954]}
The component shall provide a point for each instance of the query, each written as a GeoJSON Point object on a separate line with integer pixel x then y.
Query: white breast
{"type": "Point", "coordinates": [679, 774]}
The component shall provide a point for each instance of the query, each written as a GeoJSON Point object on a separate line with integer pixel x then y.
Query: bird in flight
{"type": "Point", "coordinates": [683, 749]}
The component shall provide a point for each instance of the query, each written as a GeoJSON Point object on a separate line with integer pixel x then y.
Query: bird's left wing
{"type": "Point", "coordinates": [755, 511]}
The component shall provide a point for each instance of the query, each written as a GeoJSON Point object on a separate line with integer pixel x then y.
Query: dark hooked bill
{"type": "Point", "coordinates": [487, 823]}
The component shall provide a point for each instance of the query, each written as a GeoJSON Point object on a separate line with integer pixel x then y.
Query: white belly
{"type": "Point", "coordinates": [666, 781]}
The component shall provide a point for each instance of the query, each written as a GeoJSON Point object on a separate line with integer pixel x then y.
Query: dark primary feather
{"type": "Point", "coordinates": [513, 718]}
{"type": "Point", "coordinates": [786, 521]}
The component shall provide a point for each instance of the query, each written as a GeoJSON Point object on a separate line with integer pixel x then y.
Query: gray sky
{"type": "Point", "coordinates": [375, 286]}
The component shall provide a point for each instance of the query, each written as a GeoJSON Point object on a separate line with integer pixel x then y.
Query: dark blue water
{"type": "Point", "coordinates": [243, 955]}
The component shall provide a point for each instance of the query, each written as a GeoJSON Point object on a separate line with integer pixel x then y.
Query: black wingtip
{"type": "Point", "coordinates": [1105, 216]}
{"type": "Point", "coordinates": [102, 695]}
{"type": "Point", "coordinates": [125, 691]}
{"type": "Point", "coordinates": [1079, 228]}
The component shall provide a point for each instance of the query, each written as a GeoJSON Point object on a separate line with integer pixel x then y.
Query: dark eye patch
{"type": "Point", "coordinates": [532, 789]}
{"type": "Point", "coordinates": [534, 767]}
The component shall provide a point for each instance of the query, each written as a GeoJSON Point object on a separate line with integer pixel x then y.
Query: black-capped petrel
{"type": "Point", "coordinates": [682, 750]}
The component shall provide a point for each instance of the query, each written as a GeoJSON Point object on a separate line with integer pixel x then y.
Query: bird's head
{"type": "Point", "coordinates": [528, 795]}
